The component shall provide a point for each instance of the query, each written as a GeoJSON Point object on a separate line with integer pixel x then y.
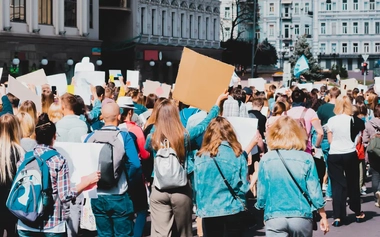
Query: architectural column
{"type": "Point", "coordinates": [34, 14]}
{"type": "Point", "coordinates": [61, 16]}
{"type": "Point", "coordinates": [6, 16]}
{"type": "Point", "coordinates": [84, 17]}
{"type": "Point", "coordinates": [1, 18]}
{"type": "Point", "coordinates": [315, 28]}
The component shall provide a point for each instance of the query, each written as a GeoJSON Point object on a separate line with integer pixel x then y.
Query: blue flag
{"type": "Point", "coordinates": [301, 66]}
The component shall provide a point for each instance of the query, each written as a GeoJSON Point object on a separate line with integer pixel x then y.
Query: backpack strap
{"type": "Point", "coordinates": [303, 113]}
{"type": "Point", "coordinates": [29, 156]}
{"type": "Point", "coordinates": [45, 168]}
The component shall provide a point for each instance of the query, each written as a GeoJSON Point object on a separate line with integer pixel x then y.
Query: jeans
{"type": "Point", "coordinates": [292, 227]}
{"type": "Point", "coordinates": [225, 226]}
{"type": "Point", "coordinates": [113, 215]}
{"type": "Point", "coordinates": [325, 145]}
{"type": "Point", "coordinates": [140, 223]}
{"type": "Point", "coordinates": [74, 219]}
{"type": "Point", "coordinates": [23, 233]}
{"type": "Point", "coordinates": [375, 181]}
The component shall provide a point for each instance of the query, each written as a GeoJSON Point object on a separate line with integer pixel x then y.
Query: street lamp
{"type": "Point", "coordinates": [283, 51]}
{"type": "Point", "coordinates": [44, 61]}
{"type": "Point", "coordinates": [152, 63]}
{"type": "Point", "coordinates": [334, 54]}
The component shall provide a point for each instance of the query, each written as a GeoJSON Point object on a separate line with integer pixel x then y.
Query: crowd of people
{"type": "Point", "coordinates": [310, 147]}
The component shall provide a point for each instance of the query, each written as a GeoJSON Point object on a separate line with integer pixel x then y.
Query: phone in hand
{"type": "Point", "coordinates": [54, 90]}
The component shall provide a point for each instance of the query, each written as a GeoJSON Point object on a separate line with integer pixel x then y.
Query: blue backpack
{"type": "Point", "coordinates": [30, 198]}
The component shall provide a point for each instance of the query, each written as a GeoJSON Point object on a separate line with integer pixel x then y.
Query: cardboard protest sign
{"type": "Point", "coordinates": [348, 84]}
{"type": "Point", "coordinates": [307, 86]}
{"type": "Point", "coordinates": [258, 83]}
{"type": "Point", "coordinates": [200, 79]}
{"type": "Point", "coordinates": [37, 78]}
{"type": "Point", "coordinates": [245, 129]}
{"type": "Point", "coordinates": [133, 79]}
{"type": "Point", "coordinates": [155, 87]}
{"type": "Point", "coordinates": [23, 93]}
{"type": "Point", "coordinates": [59, 81]}
{"type": "Point", "coordinates": [84, 79]}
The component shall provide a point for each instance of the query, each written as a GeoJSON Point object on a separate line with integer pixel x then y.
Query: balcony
{"type": "Point", "coordinates": [120, 5]}
{"type": "Point", "coordinates": [286, 16]}
{"type": "Point", "coordinates": [286, 2]}
{"type": "Point", "coordinates": [174, 41]}
{"type": "Point", "coordinates": [287, 37]}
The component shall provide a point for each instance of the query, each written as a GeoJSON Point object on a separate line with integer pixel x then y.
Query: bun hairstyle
{"type": "Point", "coordinates": [45, 130]}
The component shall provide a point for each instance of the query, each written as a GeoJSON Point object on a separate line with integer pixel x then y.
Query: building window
{"type": "Point", "coordinates": [344, 5]}
{"type": "Point", "coordinates": [142, 20]}
{"type": "Point", "coordinates": [344, 47]}
{"type": "Point", "coordinates": [334, 6]}
{"type": "Point", "coordinates": [377, 28]}
{"type": "Point", "coordinates": [328, 5]}
{"type": "Point", "coordinates": [377, 47]}
{"type": "Point", "coordinates": [323, 28]}
{"type": "Point", "coordinates": [307, 7]}
{"type": "Point", "coordinates": [207, 26]}
{"type": "Point", "coordinates": [322, 5]}
{"type": "Point", "coordinates": [215, 30]}
{"type": "Point", "coordinates": [227, 12]}
{"type": "Point", "coordinates": [153, 20]}
{"type": "Point", "coordinates": [271, 7]}
{"type": "Point", "coordinates": [70, 13]}
{"type": "Point", "coordinates": [271, 30]}
{"type": "Point", "coordinates": [372, 5]}
{"type": "Point", "coordinates": [191, 22]}
{"type": "Point", "coordinates": [296, 29]}
{"type": "Point", "coordinates": [17, 11]}
{"type": "Point", "coordinates": [366, 6]}
{"type": "Point", "coordinates": [296, 9]}
{"type": "Point", "coordinates": [323, 47]}
{"type": "Point", "coordinates": [173, 24]}
{"type": "Point", "coordinates": [366, 47]}
{"type": "Point", "coordinates": [163, 23]}
{"type": "Point", "coordinates": [91, 24]}
{"type": "Point", "coordinates": [45, 12]}
{"type": "Point", "coordinates": [344, 27]}
{"type": "Point", "coordinates": [200, 27]}
{"type": "Point", "coordinates": [307, 30]}
{"type": "Point", "coordinates": [333, 47]}
{"type": "Point", "coordinates": [366, 27]}
{"type": "Point", "coordinates": [356, 5]}
{"type": "Point", "coordinates": [355, 48]}
{"type": "Point", "coordinates": [227, 32]}
{"type": "Point", "coordinates": [355, 28]}
{"type": "Point", "coordinates": [182, 25]}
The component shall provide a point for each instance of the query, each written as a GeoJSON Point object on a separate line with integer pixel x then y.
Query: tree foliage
{"type": "Point", "coordinates": [266, 53]}
{"type": "Point", "coordinates": [302, 47]}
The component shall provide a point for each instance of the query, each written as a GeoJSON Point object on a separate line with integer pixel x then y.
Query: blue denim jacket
{"type": "Point", "coordinates": [211, 193]}
{"type": "Point", "coordinates": [194, 132]}
{"type": "Point", "coordinates": [277, 193]}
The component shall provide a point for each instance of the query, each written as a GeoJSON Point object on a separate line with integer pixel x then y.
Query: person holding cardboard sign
{"type": "Point", "coordinates": [171, 209]}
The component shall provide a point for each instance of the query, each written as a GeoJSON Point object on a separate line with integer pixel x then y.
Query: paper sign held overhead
{"type": "Point", "coordinates": [115, 74]}
{"type": "Point", "coordinates": [133, 79]}
{"type": "Point", "coordinates": [155, 87]}
{"type": "Point", "coordinates": [84, 65]}
{"type": "Point", "coordinates": [59, 81]}
{"type": "Point", "coordinates": [201, 75]}
{"type": "Point", "coordinates": [348, 84]}
{"type": "Point", "coordinates": [23, 93]}
{"type": "Point", "coordinates": [84, 79]}
{"type": "Point", "coordinates": [37, 78]}
{"type": "Point", "coordinates": [258, 83]}
{"type": "Point", "coordinates": [307, 86]}
{"type": "Point", "coordinates": [245, 129]}
{"type": "Point", "coordinates": [1, 72]}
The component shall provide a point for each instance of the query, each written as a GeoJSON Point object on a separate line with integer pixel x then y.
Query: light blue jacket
{"type": "Point", "coordinates": [194, 132]}
{"type": "Point", "coordinates": [71, 129]}
{"type": "Point", "coordinates": [277, 193]}
{"type": "Point", "coordinates": [211, 193]}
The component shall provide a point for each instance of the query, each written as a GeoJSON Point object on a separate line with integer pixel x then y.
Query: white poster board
{"type": "Point", "coordinates": [59, 81]}
{"type": "Point", "coordinates": [348, 84]}
{"type": "Point", "coordinates": [84, 65]}
{"type": "Point", "coordinates": [84, 79]}
{"type": "Point", "coordinates": [133, 79]}
{"type": "Point", "coordinates": [362, 88]}
{"type": "Point", "coordinates": [377, 85]}
{"type": "Point", "coordinates": [37, 78]}
{"type": "Point", "coordinates": [115, 74]}
{"type": "Point", "coordinates": [245, 129]}
{"type": "Point", "coordinates": [1, 72]}
{"type": "Point", "coordinates": [307, 86]}
{"type": "Point", "coordinates": [258, 83]}
{"type": "Point", "coordinates": [23, 93]}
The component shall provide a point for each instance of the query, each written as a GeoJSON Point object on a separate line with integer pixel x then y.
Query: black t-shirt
{"type": "Point", "coordinates": [262, 121]}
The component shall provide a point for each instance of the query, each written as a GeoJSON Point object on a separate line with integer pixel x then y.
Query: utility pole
{"type": "Point", "coordinates": [253, 39]}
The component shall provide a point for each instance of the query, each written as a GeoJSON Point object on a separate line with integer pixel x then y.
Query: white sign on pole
{"type": "Point", "coordinates": [365, 57]}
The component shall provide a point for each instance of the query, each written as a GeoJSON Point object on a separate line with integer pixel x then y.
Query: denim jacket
{"type": "Point", "coordinates": [277, 193]}
{"type": "Point", "coordinates": [194, 132]}
{"type": "Point", "coordinates": [211, 193]}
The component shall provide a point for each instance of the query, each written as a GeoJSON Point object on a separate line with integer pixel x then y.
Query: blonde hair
{"type": "Point", "coordinates": [55, 112]}
{"type": "Point", "coordinates": [29, 107]}
{"type": "Point", "coordinates": [219, 130]}
{"type": "Point", "coordinates": [10, 150]}
{"type": "Point", "coordinates": [287, 134]}
{"type": "Point", "coordinates": [27, 124]}
{"type": "Point", "coordinates": [168, 126]}
{"type": "Point", "coordinates": [343, 105]}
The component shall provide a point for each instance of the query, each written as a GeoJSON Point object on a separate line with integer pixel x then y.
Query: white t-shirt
{"type": "Point", "coordinates": [340, 127]}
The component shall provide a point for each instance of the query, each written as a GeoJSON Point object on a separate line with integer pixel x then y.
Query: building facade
{"type": "Point", "coordinates": [157, 30]}
{"type": "Point", "coordinates": [228, 9]}
{"type": "Point", "coordinates": [32, 30]}
{"type": "Point", "coordinates": [340, 31]}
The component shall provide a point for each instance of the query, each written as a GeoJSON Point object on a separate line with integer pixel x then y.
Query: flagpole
{"type": "Point", "coordinates": [253, 39]}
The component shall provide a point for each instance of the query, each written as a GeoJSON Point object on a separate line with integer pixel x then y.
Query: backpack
{"type": "Point", "coordinates": [301, 121]}
{"type": "Point", "coordinates": [30, 198]}
{"type": "Point", "coordinates": [373, 147]}
{"type": "Point", "coordinates": [168, 171]}
{"type": "Point", "coordinates": [112, 157]}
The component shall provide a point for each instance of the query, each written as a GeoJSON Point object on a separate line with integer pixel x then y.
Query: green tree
{"type": "Point", "coordinates": [266, 54]}
{"type": "Point", "coordinates": [302, 47]}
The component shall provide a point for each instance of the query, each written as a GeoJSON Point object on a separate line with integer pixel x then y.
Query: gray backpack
{"type": "Point", "coordinates": [112, 157]}
{"type": "Point", "coordinates": [168, 171]}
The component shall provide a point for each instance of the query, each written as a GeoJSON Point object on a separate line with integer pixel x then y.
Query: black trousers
{"type": "Point", "coordinates": [321, 169]}
{"type": "Point", "coordinates": [343, 170]}
{"type": "Point", "coordinates": [223, 226]}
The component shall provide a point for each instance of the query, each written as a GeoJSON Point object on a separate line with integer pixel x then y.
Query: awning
{"type": "Point", "coordinates": [286, 1]}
